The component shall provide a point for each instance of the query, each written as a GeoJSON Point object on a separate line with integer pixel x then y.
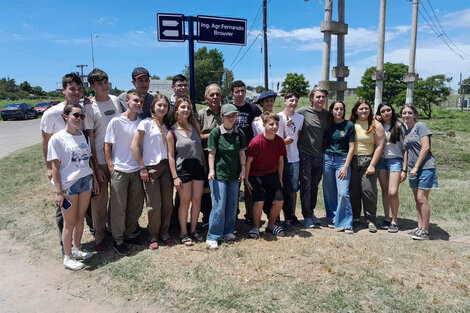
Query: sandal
{"type": "Point", "coordinates": [168, 242]}
{"type": "Point", "coordinates": [253, 233]}
{"type": "Point", "coordinates": [186, 240]}
{"type": "Point", "coordinates": [196, 236]}
{"type": "Point", "coordinates": [276, 231]}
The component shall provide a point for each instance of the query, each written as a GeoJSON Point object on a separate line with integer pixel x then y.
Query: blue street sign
{"type": "Point", "coordinates": [170, 27]}
{"type": "Point", "coordinates": [221, 30]}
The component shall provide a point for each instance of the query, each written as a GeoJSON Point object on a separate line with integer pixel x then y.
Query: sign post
{"type": "Point", "coordinates": [210, 29]}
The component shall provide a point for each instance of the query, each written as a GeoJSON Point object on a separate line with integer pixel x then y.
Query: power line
{"type": "Point", "coordinates": [246, 51]}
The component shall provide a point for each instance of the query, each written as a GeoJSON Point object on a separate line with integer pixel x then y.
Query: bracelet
{"type": "Point", "coordinates": [175, 177]}
{"type": "Point", "coordinates": [404, 171]}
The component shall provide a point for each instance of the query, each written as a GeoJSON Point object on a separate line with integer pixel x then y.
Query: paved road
{"type": "Point", "coordinates": [18, 134]}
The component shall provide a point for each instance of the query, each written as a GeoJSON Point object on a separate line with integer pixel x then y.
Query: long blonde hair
{"type": "Point", "coordinates": [157, 98]}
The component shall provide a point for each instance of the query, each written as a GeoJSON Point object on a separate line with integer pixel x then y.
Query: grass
{"type": "Point", "coordinates": [318, 270]}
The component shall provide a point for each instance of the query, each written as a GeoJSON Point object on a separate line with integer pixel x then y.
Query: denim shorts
{"type": "Point", "coordinates": [293, 176]}
{"type": "Point", "coordinates": [390, 165]}
{"type": "Point", "coordinates": [81, 185]}
{"type": "Point", "coordinates": [424, 179]}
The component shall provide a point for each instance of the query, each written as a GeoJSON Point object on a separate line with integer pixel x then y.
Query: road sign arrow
{"type": "Point", "coordinates": [169, 23]}
{"type": "Point", "coordinates": [171, 33]}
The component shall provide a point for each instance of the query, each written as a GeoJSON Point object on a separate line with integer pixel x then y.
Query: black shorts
{"type": "Point", "coordinates": [266, 188]}
{"type": "Point", "coordinates": [190, 170]}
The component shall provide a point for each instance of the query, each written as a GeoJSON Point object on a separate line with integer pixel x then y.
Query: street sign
{"type": "Point", "coordinates": [221, 30]}
{"type": "Point", "coordinates": [170, 27]}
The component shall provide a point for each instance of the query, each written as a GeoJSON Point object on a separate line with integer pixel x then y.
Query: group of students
{"type": "Point", "coordinates": [140, 146]}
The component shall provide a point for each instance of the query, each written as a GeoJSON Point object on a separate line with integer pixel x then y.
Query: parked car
{"type": "Point", "coordinates": [40, 107]}
{"type": "Point", "coordinates": [18, 110]}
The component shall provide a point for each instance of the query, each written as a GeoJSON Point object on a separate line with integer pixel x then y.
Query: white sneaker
{"type": "Point", "coordinates": [229, 237]}
{"type": "Point", "coordinates": [78, 254]}
{"type": "Point", "coordinates": [71, 264]}
{"type": "Point", "coordinates": [212, 244]}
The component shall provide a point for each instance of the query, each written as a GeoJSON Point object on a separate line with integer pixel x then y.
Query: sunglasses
{"type": "Point", "coordinates": [78, 115]}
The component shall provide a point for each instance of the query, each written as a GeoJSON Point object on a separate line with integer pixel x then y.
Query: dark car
{"type": "Point", "coordinates": [18, 110]}
{"type": "Point", "coordinates": [40, 107]}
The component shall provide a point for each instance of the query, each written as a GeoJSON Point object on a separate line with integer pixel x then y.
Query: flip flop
{"type": "Point", "coordinates": [253, 233]}
{"type": "Point", "coordinates": [276, 231]}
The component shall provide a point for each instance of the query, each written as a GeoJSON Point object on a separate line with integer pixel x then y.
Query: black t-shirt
{"type": "Point", "coordinates": [246, 115]}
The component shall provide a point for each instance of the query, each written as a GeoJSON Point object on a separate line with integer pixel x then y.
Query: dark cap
{"type": "Point", "coordinates": [228, 109]}
{"type": "Point", "coordinates": [138, 72]}
{"type": "Point", "coordinates": [266, 94]}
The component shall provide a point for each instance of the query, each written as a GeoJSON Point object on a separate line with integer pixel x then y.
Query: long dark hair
{"type": "Point", "coordinates": [395, 126]}
{"type": "Point", "coordinates": [330, 110]}
{"type": "Point", "coordinates": [370, 119]}
{"type": "Point", "coordinates": [191, 118]}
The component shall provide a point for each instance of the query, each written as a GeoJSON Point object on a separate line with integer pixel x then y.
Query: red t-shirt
{"type": "Point", "coordinates": [265, 154]}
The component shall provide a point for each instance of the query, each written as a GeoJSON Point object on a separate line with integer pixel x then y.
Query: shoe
{"type": "Point", "coordinates": [196, 236]}
{"type": "Point", "coordinates": [295, 222]}
{"type": "Point", "coordinates": [138, 241]}
{"type": "Point", "coordinates": [308, 223]}
{"type": "Point", "coordinates": [287, 227]}
{"type": "Point", "coordinates": [186, 240]}
{"type": "Point", "coordinates": [71, 264]}
{"type": "Point", "coordinates": [78, 254]}
{"type": "Point", "coordinates": [393, 228]}
{"type": "Point", "coordinates": [169, 242]}
{"type": "Point", "coordinates": [229, 237]}
{"type": "Point", "coordinates": [316, 221]}
{"type": "Point", "coordinates": [421, 235]}
{"type": "Point", "coordinates": [331, 224]}
{"type": "Point", "coordinates": [348, 230]}
{"type": "Point", "coordinates": [249, 221]}
{"type": "Point", "coordinates": [372, 228]}
{"type": "Point", "coordinates": [121, 249]}
{"type": "Point", "coordinates": [102, 246]}
{"type": "Point", "coordinates": [153, 245]}
{"type": "Point", "coordinates": [212, 244]}
{"type": "Point", "coordinates": [385, 224]}
{"type": "Point", "coordinates": [414, 231]}
{"type": "Point", "coordinates": [265, 224]}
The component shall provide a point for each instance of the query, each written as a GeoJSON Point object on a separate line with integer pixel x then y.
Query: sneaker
{"type": "Point", "coordinates": [71, 264]}
{"type": "Point", "coordinates": [212, 244]}
{"type": "Point", "coordinates": [121, 249]}
{"type": "Point", "coordinates": [287, 227]}
{"type": "Point", "coordinates": [229, 237]}
{"type": "Point", "coordinates": [308, 223]}
{"type": "Point", "coordinates": [138, 241]}
{"type": "Point", "coordinates": [331, 224]}
{"type": "Point", "coordinates": [385, 224]}
{"type": "Point", "coordinates": [265, 224]}
{"type": "Point", "coordinates": [372, 228]}
{"type": "Point", "coordinates": [421, 235]}
{"type": "Point", "coordinates": [413, 232]}
{"type": "Point", "coordinates": [295, 222]}
{"type": "Point", "coordinates": [393, 228]}
{"type": "Point", "coordinates": [78, 254]}
{"type": "Point", "coordinates": [315, 220]}
{"type": "Point", "coordinates": [348, 230]}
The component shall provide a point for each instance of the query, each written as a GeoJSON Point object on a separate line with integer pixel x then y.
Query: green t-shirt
{"type": "Point", "coordinates": [312, 132]}
{"type": "Point", "coordinates": [338, 137]}
{"type": "Point", "coordinates": [227, 147]}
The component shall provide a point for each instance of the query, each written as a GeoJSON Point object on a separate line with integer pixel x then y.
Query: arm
{"type": "Point", "coordinates": [55, 172]}
{"type": "Point", "coordinates": [45, 141]}
{"type": "Point", "coordinates": [108, 154]}
{"type": "Point", "coordinates": [280, 168]}
{"type": "Point", "coordinates": [247, 173]}
{"type": "Point", "coordinates": [135, 147]}
{"type": "Point", "coordinates": [343, 173]}
{"type": "Point", "coordinates": [425, 147]}
{"type": "Point", "coordinates": [211, 175]}
{"type": "Point", "coordinates": [171, 161]}
{"type": "Point", "coordinates": [379, 148]}
{"type": "Point", "coordinates": [405, 166]}
{"type": "Point", "coordinates": [243, 165]}
{"type": "Point", "coordinates": [94, 161]}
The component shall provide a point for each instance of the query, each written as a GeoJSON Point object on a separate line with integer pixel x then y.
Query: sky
{"type": "Point", "coordinates": [40, 41]}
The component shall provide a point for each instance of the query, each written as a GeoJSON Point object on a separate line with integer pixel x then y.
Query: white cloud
{"type": "Point", "coordinates": [459, 19]}
{"type": "Point", "coordinates": [104, 20]}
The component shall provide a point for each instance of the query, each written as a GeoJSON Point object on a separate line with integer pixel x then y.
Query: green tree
{"type": "Point", "coordinates": [295, 82]}
{"type": "Point", "coordinates": [427, 93]}
{"type": "Point", "coordinates": [227, 82]}
{"type": "Point", "coordinates": [37, 91]}
{"type": "Point", "coordinates": [392, 86]}
{"type": "Point", "coordinates": [169, 77]}
{"type": "Point", "coordinates": [155, 77]}
{"type": "Point", "coordinates": [25, 86]}
{"type": "Point", "coordinates": [466, 86]}
{"type": "Point", "coordinates": [259, 89]}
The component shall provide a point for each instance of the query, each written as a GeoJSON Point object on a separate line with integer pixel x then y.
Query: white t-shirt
{"type": "Point", "coordinates": [257, 127]}
{"type": "Point", "coordinates": [120, 132]}
{"type": "Point", "coordinates": [392, 150]}
{"type": "Point", "coordinates": [153, 146]}
{"type": "Point", "coordinates": [74, 155]}
{"type": "Point", "coordinates": [291, 132]}
{"type": "Point", "coordinates": [52, 120]}
{"type": "Point", "coordinates": [98, 115]}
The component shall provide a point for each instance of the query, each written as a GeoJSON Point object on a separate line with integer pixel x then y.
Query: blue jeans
{"type": "Point", "coordinates": [336, 191]}
{"type": "Point", "coordinates": [224, 208]}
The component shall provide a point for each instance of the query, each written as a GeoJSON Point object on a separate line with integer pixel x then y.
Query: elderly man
{"type": "Point", "coordinates": [208, 119]}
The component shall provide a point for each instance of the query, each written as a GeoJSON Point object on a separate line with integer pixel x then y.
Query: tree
{"type": "Point", "coordinates": [428, 93]}
{"type": "Point", "coordinates": [227, 82]}
{"type": "Point", "coordinates": [259, 89]}
{"type": "Point", "coordinates": [392, 86]}
{"type": "Point", "coordinates": [25, 86]}
{"type": "Point", "coordinates": [155, 77]}
{"type": "Point", "coordinates": [466, 86]}
{"type": "Point", "coordinates": [296, 83]}
{"type": "Point", "coordinates": [169, 77]}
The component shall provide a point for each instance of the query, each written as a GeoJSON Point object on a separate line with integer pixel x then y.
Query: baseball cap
{"type": "Point", "coordinates": [138, 72]}
{"type": "Point", "coordinates": [228, 109]}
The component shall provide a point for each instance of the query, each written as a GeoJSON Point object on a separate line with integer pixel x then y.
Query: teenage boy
{"type": "Point", "coordinates": [311, 153]}
{"type": "Point", "coordinates": [141, 81]}
{"type": "Point", "coordinates": [247, 113]}
{"type": "Point", "coordinates": [127, 192]}
{"type": "Point", "coordinates": [290, 123]}
{"type": "Point", "coordinates": [52, 122]}
{"type": "Point", "coordinates": [264, 169]}
{"type": "Point", "coordinates": [266, 100]}
{"type": "Point", "coordinates": [209, 118]}
{"type": "Point", "coordinates": [180, 87]}
{"type": "Point", "coordinates": [98, 114]}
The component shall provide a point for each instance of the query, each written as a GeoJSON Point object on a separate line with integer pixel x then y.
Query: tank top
{"type": "Point", "coordinates": [365, 143]}
{"type": "Point", "coordinates": [188, 148]}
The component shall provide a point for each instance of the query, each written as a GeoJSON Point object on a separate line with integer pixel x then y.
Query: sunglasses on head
{"type": "Point", "coordinates": [78, 115]}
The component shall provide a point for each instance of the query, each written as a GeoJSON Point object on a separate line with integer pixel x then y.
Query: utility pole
{"type": "Point", "coordinates": [265, 33]}
{"type": "Point", "coordinates": [81, 66]}
{"type": "Point", "coordinates": [411, 77]}
{"type": "Point", "coordinates": [379, 74]}
{"type": "Point", "coordinates": [340, 71]}
{"type": "Point", "coordinates": [325, 67]}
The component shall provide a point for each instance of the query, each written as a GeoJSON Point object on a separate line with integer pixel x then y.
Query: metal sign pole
{"type": "Point", "coordinates": [192, 80]}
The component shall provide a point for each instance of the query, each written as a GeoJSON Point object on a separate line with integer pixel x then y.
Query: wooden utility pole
{"type": "Point", "coordinates": [265, 33]}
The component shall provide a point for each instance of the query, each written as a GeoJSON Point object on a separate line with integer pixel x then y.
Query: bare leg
{"type": "Point", "coordinates": [70, 219]}
{"type": "Point", "coordinates": [185, 199]}
{"type": "Point", "coordinates": [393, 185]}
{"type": "Point", "coordinates": [274, 213]}
{"type": "Point", "coordinates": [422, 207]}
{"type": "Point", "coordinates": [196, 195]}
{"type": "Point", "coordinates": [257, 211]}
{"type": "Point", "coordinates": [384, 185]}
{"type": "Point", "coordinates": [83, 201]}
